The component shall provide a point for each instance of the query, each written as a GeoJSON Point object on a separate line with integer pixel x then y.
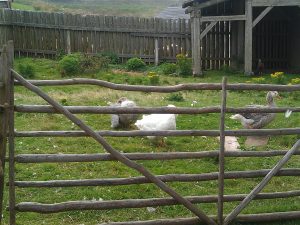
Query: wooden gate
{"type": "Point", "coordinates": [12, 78]}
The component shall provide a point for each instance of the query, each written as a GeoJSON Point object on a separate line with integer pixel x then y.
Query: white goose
{"type": "Point", "coordinates": [156, 122]}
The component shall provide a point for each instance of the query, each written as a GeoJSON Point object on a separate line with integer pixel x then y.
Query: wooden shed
{"type": "Point", "coordinates": [243, 31]}
{"type": "Point", "coordinates": [5, 3]}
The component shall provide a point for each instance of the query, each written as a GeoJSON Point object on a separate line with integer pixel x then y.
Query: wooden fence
{"type": "Point", "coordinates": [8, 108]}
{"type": "Point", "coordinates": [41, 33]}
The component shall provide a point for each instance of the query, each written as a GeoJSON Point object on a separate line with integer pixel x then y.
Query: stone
{"type": "Point", "coordinates": [231, 143]}
{"type": "Point", "coordinates": [256, 141]}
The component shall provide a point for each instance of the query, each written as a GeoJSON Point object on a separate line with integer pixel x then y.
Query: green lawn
{"type": "Point", "coordinates": [141, 8]}
{"type": "Point", "coordinates": [97, 96]}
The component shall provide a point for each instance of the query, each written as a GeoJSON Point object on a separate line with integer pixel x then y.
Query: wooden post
{"type": "Point", "coordinates": [6, 62]}
{"type": "Point", "coordinates": [68, 42]}
{"type": "Point", "coordinates": [222, 154]}
{"type": "Point", "coordinates": [248, 37]}
{"type": "Point", "coordinates": [3, 123]}
{"type": "Point", "coordinates": [196, 42]}
{"type": "Point", "coordinates": [156, 52]}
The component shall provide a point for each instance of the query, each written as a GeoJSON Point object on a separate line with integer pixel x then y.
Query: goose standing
{"type": "Point", "coordinates": [123, 120]}
{"type": "Point", "coordinates": [157, 122]}
{"type": "Point", "coordinates": [258, 120]}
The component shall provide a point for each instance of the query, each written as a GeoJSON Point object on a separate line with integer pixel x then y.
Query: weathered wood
{"type": "Point", "coordinates": [156, 52]}
{"type": "Point", "coordinates": [115, 153]}
{"type": "Point", "coordinates": [3, 121]}
{"type": "Point", "coordinates": [11, 132]}
{"type": "Point", "coordinates": [165, 89]}
{"type": "Point", "coordinates": [223, 18]}
{"type": "Point", "coordinates": [210, 133]}
{"type": "Point", "coordinates": [139, 203]}
{"type": "Point", "coordinates": [196, 43]}
{"type": "Point", "coordinates": [262, 184]}
{"type": "Point", "coordinates": [164, 178]}
{"type": "Point", "coordinates": [255, 218]}
{"type": "Point", "coordinates": [147, 110]}
{"type": "Point", "coordinates": [248, 36]}
{"type": "Point", "coordinates": [207, 29]}
{"type": "Point", "coordinates": [260, 3]}
{"type": "Point", "coordinates": [222, 153]}
{"type": "Point", "coordinates": [59, 158]}
{"type": "Point", "coordinates": [261, 16]}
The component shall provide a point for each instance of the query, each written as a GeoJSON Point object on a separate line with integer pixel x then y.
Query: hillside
{"type": "Point", "coordinates": [141, 8]}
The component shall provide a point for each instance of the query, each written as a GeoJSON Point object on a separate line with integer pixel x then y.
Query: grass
{"type": "Point", "coordinates": [142, 8]}
{"type": "Point", "coordinates": [96, 96]}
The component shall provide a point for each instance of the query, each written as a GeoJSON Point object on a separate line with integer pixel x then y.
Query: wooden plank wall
{"type": "Point", "coordinates": [271, 43]}
{"type": "Point", "coordinates": [36, 33]}
{"type": "Point", "coordinates": [46, 34]}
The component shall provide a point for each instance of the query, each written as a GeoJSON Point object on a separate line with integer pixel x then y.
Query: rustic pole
{"type": "Point", "coordinates": [11, 131]}
{"type": "Point", "coordinates": [68, 42]}
{"type": "Point", "coordinates": [3, 122]}
{"type": "Point", "coordinates": [6, 62]}
{"type": "Point", "coordinates": [248, 37]}
{"type": "Point", "coordinates": [115, 153]}
{"type": "Point", "coordinates": [262, 184]}
{"type": "Point", "coordinates": [156, 52]}
{"type": "Point", "coordinates": [222, 153]}
{"type": "Point", "coordinates": [196, 42]}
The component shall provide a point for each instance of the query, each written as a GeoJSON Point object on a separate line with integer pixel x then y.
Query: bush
{"type": "Point", "coordinates": [111, 56]}
{"type": "Point", "coordinates": [278, 78]}
{"type": "Point", "coordinates": [93, 63]}
{"type": "Point", "coordinates": [135, 64]}
{"type": "Point", "coordinates": [168, 68]}
{"type": "Point", "coordinates": [153, 78]}
{"type": "Point", "coordinates": [70, 64]}
{"type": "Point", "coordinates": [184, 65]}
{"type": "Point", "coordinates": [26, 70]}
{"type": "Point", "coordinates": [175, 97]}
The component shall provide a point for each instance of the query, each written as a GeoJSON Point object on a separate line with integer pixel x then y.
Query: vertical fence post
{"type": "Point", "coordinates": [156, 52]}
{"type": "Point", "coordinates": [3, 123]}
{"type": "Point", "coordinates": [11, 131]}
{"type": "Point", "coordinates": [222, 153]}
{"type": "Point", "coordinates": [68, 42]}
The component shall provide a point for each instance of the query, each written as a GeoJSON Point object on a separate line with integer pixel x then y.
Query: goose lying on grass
{"type": "Point", "coordinates": [258, 120]}
{"type": "Point", "coordinates": [157, 122]}
{"type": "Point", "coordinates": [123, 120]}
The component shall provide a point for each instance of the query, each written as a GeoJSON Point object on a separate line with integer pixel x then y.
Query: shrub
{"type": "Point", "coordinates": [26, 70]}
{"type": "Point", "coordinates": [295, 81]}
{"type": "Point", "coordinates": [278, 78]}
{"type": "Point", "coordinates": [93, 63]}
{"type": "Point", "coordinates": [111, 56]}
{"type": "Point", "coordinates": [184, 65]}
{"type": "Point", "coordinates": [153, 78]}
{"type": "Point", "coordinates": [168, 68]}
{"type": "Point", "coordinates": [70, 64]}
{"type": "Point", "coordinates": [135, 64]}
{"type": "Point", "coordinates": [175, 97]}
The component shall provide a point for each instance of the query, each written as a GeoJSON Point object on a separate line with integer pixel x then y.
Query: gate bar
{"type": "Point", "coordinates": [222, 153]}
{"type": "Point", "coordinates": [262, 184]}
{"type": "Point", "coordinates": [114, 152]}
